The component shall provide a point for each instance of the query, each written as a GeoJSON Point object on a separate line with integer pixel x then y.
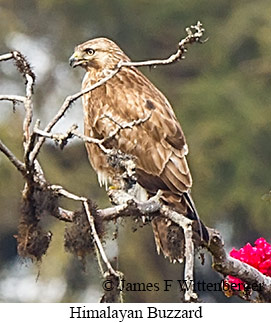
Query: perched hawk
{"type": "Point", "coordinates": [158, 144]}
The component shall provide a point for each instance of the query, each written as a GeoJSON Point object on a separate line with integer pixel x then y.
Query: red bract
{"type": "Point", "coordinates": [235, 283]}
{"type": "Point", "coordinates": [258, 257]}
{"type": "Point", "coordinates": [265, 267]}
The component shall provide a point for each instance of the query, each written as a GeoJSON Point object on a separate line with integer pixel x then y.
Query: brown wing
{"type": "Point", "coordinates": [158, 143]}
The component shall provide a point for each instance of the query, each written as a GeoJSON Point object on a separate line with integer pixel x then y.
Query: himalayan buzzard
{"type": "Point", "coordinates": [158, 144]}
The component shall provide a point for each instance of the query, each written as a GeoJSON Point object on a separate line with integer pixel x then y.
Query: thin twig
{"type": "Point", "coordinates": [62, 138]}
{"type": "Point", "coordinates": [126, 125]}
{"type": "Point", "coordinates": [92, 140]}
{"type": "Point", "coordinates": [59, 138]}
{"type": "Point", "coordinates": [13, 98]}
{"type": "Point", "coordinates": [192, 37]}
{"type": "Point", "coordinates": [59, 190]}
{"type": "Point", "coordinates": [14, 160]}
{"type": "Point", "coordinates": [98, 241]}
{"type": "Point", "coordinates": [6, 57]}
{"type": "Point", "coordinates": [186, 225]}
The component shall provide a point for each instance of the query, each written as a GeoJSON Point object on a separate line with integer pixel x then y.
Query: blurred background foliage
{"type": "Point", "coordinates": [220, 93]}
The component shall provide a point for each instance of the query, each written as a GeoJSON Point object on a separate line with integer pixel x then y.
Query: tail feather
{"type": "Point", "coordinates": [169, 238]}
{"type": "Point", "coordinates": [193, 215]}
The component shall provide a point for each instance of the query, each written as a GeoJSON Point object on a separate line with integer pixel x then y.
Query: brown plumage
{"type": "Point", "coordinates": [158, 144]}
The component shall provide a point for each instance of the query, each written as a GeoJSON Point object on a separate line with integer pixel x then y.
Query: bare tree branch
{"type": "Point", "coordinates": [28, 112]}
{"type": "Point", "coordinates": [65, 215]}
{"type": "Point", "coordinates": [14, 160]}
{"type": "Point", "coordinates": [98, 241]}
{"type": "Point", "coordinates": [226, 265]}
{"type": "Point", "coordinates": [194, 34]}
{"type": "Point", "coordinates": [63, 138]}
{"type": "Point", "coordinates": [6, 57]}
{"type": "Point", "coordinates": [13, 98]}
{"type": "Point", "coordinates": [186, 225]}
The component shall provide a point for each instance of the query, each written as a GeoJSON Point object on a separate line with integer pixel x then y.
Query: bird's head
{"type": "Point", "coordinates": [98, 53]}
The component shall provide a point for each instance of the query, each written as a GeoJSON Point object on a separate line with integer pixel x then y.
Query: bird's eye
{"type": "Point", "coordinates": [90, 51]}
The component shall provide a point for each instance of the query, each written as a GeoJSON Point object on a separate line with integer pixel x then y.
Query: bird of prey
{"type": "Point", "coordinates": [158, 144]}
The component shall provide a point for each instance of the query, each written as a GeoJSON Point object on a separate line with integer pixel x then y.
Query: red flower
{"type": "Point", "coordinates": [265, 267]}
{"type": "Point", "coordinates": [258, 257]}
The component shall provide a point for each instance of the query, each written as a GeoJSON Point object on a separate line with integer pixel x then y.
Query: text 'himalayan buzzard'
{"type": "Point", "coordinates": [158, 144]}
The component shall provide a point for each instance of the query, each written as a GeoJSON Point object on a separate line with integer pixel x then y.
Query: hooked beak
{"type": "Point", "coordinates": [76, 59]}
